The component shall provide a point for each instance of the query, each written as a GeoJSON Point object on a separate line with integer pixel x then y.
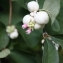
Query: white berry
{"type": "Point", "coordinates": [10, 29]}
{"type": "Point", "coordinates": [27, 19]}
{"type": "Point", "coordinates": [14, 34]}
{"type": "Point", "coordinates": [33, 6]}
{"type": "Point", "coordinates": [37, 26]}
{"type": "Point", "coordinates": [41, 17]}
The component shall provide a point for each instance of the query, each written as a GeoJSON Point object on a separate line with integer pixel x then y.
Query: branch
{"type": "Point", "coordinates": [10, 12]}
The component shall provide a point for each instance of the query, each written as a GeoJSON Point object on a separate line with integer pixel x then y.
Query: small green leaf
{"type": "Point", "coordinates": [60, 18]}
{"type": "Point", "coordinates": [31, 39]}
{"type": "Point", "coordinates": [50, 55]}
{"type": "Point", "coordinates": [56, 26]}
{"type": "Point", "coordinates": [49, 29]}
{"type": "Point", "coordinates": [2, 26]}
{"type": "Point", "coordinates": [4, 53]}
{"type": "Point", "coordinates": [21, 57]}
{"type": "Point", "coordinates": [58, 41]}
{"type": "Point", "coordinates": [52, 7]}
{"type": "Point", "coordinates": [4, 39]}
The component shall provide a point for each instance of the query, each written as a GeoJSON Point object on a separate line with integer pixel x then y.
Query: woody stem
{"type": "Point", "coordinates": [10, 12]}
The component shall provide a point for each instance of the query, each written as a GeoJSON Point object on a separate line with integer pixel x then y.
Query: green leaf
{"type": "Point", "coordinates": [31, 39]}
{"type": "Point", "coordinates": [4, 19]}
{"type": "Point", "coordinates": [58, 41]}
{"type": "Point", "coordinates": [52, 7]}
{"type": "Point", "coordinates": [56, 26]}
{"type": "Point", "coordinates": [60, 18]}
{"type": "Point", "coordinates": [39, 58]}
{"type": "Point", "coordinates": [21, 57]}
{"type": "Point", "coordinates": [4, 5]}
{"type": "Point", "coordinates": [20, 44]}
{"type": "Point", "coordinates": [2, 27]}
{"type": "Point", "coordinates": [49, 30]}
{"type": "Point", "coordinates": [4, 53]}
{"type": "Point", "coordinates": [4, 39]}
{"type": "Point", "coordinates": [50, 55]}
{"type": "Point", "coordinates": [22, 3]}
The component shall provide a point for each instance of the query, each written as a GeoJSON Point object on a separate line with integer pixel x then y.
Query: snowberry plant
{"type": "Point", "coordinates": [36, 19]}
{"type": "Point", "coordinates": [31, 31]}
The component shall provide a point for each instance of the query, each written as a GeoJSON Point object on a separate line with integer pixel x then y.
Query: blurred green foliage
{"type": "Point", "coordinates": [27, 48]}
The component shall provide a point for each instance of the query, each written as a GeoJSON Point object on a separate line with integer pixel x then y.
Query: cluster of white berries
{"type": "Point", "coordinates": [36, 19]}
{"type": "Point", "coordinates": [12, 32]}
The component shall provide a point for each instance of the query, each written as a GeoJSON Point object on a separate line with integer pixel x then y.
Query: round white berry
{"type": "Point", "coordinates": [14, 34]}
{"type": "Point", "coordinates": [27, 19]}
{"type": "Point", "coordinates": [37, 26]}
{"type": "Point", "coordinates": [33, 6]}
{"type": "Point", "coordinates": [7, 29]}
{"type": "Point", "coordinates": [10, 29]}
{"type": "Point", "coordinates": [41, 17]}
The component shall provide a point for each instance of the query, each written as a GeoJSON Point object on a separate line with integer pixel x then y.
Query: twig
{"type": "Point", "coordinates": [37, 1]}
{"type": "Point", "coordinates": [10, 12]}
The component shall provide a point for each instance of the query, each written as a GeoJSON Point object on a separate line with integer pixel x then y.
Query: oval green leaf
{"type": "Point", "coordinates": [50, 55]}
{"type": "Point", "coordinates": [21, 57]}
{"type": "Point", "coordinates": [53, 8]}
{"type": "Point", "coordinates": [58, 41]}
{"type": "Point", "coordinates": [4, 53]}
{"type": "Point", "coordinates": [55, 26]}
{"type": "Point", "coordinates": [4, 39]}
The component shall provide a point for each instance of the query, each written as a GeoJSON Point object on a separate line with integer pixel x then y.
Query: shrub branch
{"type": "Point", "coordinates": [10, 12]}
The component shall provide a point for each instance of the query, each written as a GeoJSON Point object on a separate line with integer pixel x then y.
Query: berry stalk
{"type": "Point", "coordinates": [10, 12]}
{"type": "Point", "coordinates": [37, 1]}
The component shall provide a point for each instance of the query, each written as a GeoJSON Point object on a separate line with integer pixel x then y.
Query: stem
{"type": "Point", "coordinates": [10, 12]}
{"type": "Point", "coordinates": [37, 1]}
